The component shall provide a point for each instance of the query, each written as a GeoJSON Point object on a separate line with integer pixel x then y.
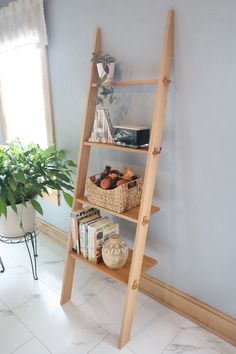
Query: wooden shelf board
{"type": "Point", "coordinates": [121, 275]}
{"type": "Point", "coordinates": [117, 147]}
{"type": "Point", "coordinates": [131, 83]}
{"type": "Point", "coordinates": [131, 214]}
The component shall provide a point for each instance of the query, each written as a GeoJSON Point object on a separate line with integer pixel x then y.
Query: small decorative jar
{"type": "Point", "coordinates": [115, 252]}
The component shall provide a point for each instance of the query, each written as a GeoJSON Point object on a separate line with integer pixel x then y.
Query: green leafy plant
{"type": "Point", "coordinates": [28, 172]}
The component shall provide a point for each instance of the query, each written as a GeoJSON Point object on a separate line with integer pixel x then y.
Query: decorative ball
{"type": "Point", "coordinates": [113, 175]}
{"type": "Point", "coordinates": [115, 252]}
{"type": "Point", "coordinates": [105, 183]}
{"type": "Point", "coordinates": [116, 172]}
{"type": "Point", "coordinates": [120, 182]}
{"type": "Point", "coordinates": [128, 173]}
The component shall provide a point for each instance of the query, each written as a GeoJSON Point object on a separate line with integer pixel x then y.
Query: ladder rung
{"type": "Point", "coordinates": [121, 275]}
{"type": "Point", "coordinates": [130, 215]}
{"type": "Point", "coordinates": [117, 147]}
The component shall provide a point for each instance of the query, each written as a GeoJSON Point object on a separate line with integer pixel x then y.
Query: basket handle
{"type": "Point", "coordinates": [133, 183]}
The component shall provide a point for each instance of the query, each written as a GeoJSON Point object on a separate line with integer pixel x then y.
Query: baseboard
{"type": "Point", "coordinates": [204, 315]}
{"type": "Point", "coordinates": [53, 232]}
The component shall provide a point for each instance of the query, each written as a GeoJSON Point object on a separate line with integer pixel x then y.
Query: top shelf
{"type": "Point", "coordinates": [132, 83]}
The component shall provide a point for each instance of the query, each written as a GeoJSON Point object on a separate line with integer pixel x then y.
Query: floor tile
{"type": "Point", "coordinates": [10, 261]}
{"type": "Point", "coordinates": [169, 314]}
{"type": "Point", "coordinates": [51, 273]}
{"type": "Point", "coordinates": [15, 289]}
{"type": "Point", "coordinates": [63, 329]}
{"type": "Point", "coordinates": [187, 344]}
{"type": "Point", "coordinates": [19, 254]}
{"type": "Point", "coordinates": [155, 306]}
{"type": "Point", "coordinates": [85, 286]}
{"type": "Point", "coordinates": [33, 346]}
{"type": "Point", "coordinates": [39, 325]}
{"type": "Point", "coordinates": [54, 246]}
{"type": "Point", "coordinates": [154, 338]}
{"type": "Point", "coordinates": [106, 308]}
{"type": "Point", "coordinates": [12, 332]}
{"type": "Point", "coordinates": [109, 346]}
{"type": "Point", "coordinates": [141, 298]}
{"type": "Point", "coordinates": [212, 340]}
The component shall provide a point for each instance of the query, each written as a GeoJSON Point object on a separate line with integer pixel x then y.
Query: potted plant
{"type": "Point", "coordinates": [105, 67]}
{"type": "Point", "coordinates": [26, 173]}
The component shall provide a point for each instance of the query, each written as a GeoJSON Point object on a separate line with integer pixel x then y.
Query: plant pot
{"type": "Point", "coordinates": [115, 252]}
{"type": "Point", "coordinates": [102, 73]}
{"type": "Point", "coordinates": [11, 228]}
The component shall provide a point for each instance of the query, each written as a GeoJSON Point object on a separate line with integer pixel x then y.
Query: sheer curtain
{"type": "Point", "coordinates": [22, 22]}
{"type": "Point", "coordinates": [23, 84]}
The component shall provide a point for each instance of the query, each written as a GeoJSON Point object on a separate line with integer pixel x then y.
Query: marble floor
{"type": "Point", "coordinates": [33, 322]}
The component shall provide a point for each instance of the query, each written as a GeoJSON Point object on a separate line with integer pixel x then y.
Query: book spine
{"type": "Point", "coordinates": [86, 241]}
{"type": "Point", "coordinates": [81, 240]}
{"type": "Point", "coordinates": [77, 235]}
{"type": "Point", "coordinates": [90, 236]}
{"type": "Point", "coordinates": [73, 233]}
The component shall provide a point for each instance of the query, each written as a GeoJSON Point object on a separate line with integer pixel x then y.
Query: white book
{"type": "Point", "coordinates": [91, 230]}
{"type": "Point", "coordinates": [73, 233]}
{"type": "Point", "coordinates": [82, 223]}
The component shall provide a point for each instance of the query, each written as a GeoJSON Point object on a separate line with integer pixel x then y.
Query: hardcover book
{"type": "Point", "coordinates": [91, 232]}
{"type": "Point", "coordinates": [76, 216]}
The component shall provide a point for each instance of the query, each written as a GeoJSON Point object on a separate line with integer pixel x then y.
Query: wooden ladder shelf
{"type": "Point", "coordinates": [137, 263]}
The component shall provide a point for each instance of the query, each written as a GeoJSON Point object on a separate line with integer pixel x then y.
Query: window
{"type": "Point", "coordinates": [25, 96]}
{"type": "Point", "coordinates": [25, 105]}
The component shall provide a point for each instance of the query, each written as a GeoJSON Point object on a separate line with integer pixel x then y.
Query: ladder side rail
{"type": "Point", "coordinates": [149, 181]}
{"type": "Point", "coordinates": [90, 108]}
{"type": "Point", "coordinates": [82, 166]}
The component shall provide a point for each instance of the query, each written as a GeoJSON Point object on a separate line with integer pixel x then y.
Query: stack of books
{"type": "Point", "coordinates": [89, 231]}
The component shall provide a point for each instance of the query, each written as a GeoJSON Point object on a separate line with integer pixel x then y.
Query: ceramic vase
{"type": "Point", "coordinates": [11, 227]}
{"type": "Point", "coordinates": [115, 252]}
{"type": "Point", "coordinates": [102, 73]}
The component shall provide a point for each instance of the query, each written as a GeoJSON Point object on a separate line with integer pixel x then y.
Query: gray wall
{"type": "Point", "coordinates": [194, 234]}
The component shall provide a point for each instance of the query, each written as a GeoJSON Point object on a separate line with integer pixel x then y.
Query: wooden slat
{"type": "Point", "coordinates": [68, 274]}
{"type": "Point", "coordinates": [131, 83]}
{"type": "Point", "coordinates": [131, 214]}
{"type": "Point", "coordinates": [143, 151]}
{"type": "Point", "coordinates": [149, 179]}
{"type": "Point", "coordinates": [121, 275]}
{"type": "Point", "coordinates": [83, 160]}
{"type": "Point", "coordinates": [90, 108]}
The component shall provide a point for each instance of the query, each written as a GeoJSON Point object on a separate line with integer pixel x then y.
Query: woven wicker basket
{"type": "Point", "coordinates": [120, 199]}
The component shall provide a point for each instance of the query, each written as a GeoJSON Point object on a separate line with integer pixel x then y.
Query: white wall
{"type": "Point", "coordinates": [194, 234]}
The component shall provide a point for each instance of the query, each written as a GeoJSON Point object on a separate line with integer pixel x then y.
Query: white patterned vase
{"type": "Point", "coordinates": [115, 252]}
{"type": "Point", "coordinates": [102, 73]}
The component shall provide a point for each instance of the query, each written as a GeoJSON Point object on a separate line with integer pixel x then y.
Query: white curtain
{"type": "Point", "coordinates": [22, 22]}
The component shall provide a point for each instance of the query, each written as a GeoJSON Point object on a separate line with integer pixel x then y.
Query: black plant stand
{"type": "Point", "coordinates": [29, 237]}
{"type": "Point", "coordinates": [2, 265]}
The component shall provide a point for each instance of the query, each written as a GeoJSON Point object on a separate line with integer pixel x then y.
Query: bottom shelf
{"type": "Point", "coordinates": [121, 275]}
